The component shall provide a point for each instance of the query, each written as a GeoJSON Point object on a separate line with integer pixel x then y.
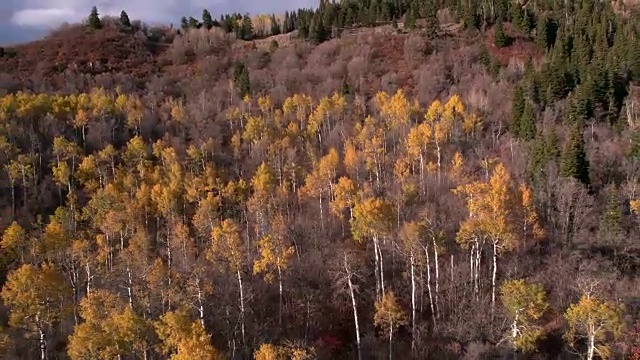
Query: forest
{"type": "Point", "coordinates": [367, 179]}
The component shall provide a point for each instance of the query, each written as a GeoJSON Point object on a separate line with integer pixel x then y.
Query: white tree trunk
{"type": "Point", "coordinates": [390, 339]}
{"type": "Point", "coordinates": [377, 267]}
{"type": "Point", "coordinates": [280, 296]}
{"type": "Point", "coordinates": [413, 303]}
{"type": "Point", "coordinates": [200, 303]}
{"type": "Point", "coordinates": [493, 278]}
{"type": "Point", "coordinates": [353, 303]}
{"type": "Point", "coordinates": [435, 252]}
{"type": "Point", "coordinates": [592, 347]}
{"type": "Point", "coordinates": [242, 322]}
{"type": "Point", "coordinates": [321, 214]}
{"type": "Point", "coordinates": [477, 272]}
{"type": "Point", "coordinates": [381, 271]}
{"type": "Point", "coordinates": [433, 312]}
{"type": "Point", "coordinates": [43, 344]}
{"type": "Point", "coordinates": [129, 287]}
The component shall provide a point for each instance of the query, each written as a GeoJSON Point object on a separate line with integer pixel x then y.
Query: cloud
{"type": "Point", "coordinates": [47, 18]}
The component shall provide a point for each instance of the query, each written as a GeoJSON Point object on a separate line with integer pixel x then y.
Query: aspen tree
{"type": "Point", "coordinates": [372, 219]}
{"type": "Point", "coordinates": [36, 297]}
{"type": "Point", "coordinates": [525, 304]}
{"type": "Point", "coordinates": [275, 255]}
{"type": "Point", "coordinates": [596, 321]}
{"type": "Point", "coordinates": [227, 246]}
{"type": "Point", "coordinates": [389, 316]}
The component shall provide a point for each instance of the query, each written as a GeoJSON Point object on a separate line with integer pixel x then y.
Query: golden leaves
{"type": "Point", "coordinates": [389, 315]}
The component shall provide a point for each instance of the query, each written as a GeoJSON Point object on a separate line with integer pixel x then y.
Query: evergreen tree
{"type": "Point", "coordinates": [184, 23]}
{"type": "Point", "coordinates": [484, 58]}
{"type": "Point", "coordinates": [194, 23]}
{"type": "Point", "coordinates": [612, 217]}
{"type": "Point", "coordinates": [124, 19]}
{"type": "Point", "coordinates": [207, 20]}
{"type": "Point", "coordinates": [431, 18]}
{"type": "Point", "coordinates": [574, 162]}
{"type": "Point", "coordinates": [275, 26]}
{"type": "Point", "coordinates": [517, 109]}
{"type": "Point", "coordinates": [246, 29]}
{"type": "Point", "coordinates": [241, 79]}
{"type": "Point", "coordinates": [318, 32]}
{"type": "Point", "coordinates": [544, 150]}
{"type": "Point", "coordinates": [527, 125]}
{"type": "Point", "coordinates": [94, 19]}
{"type": "Point", "coordinates": [345, 89]}
{"type": "Point", "coordinates": [500, 39]}
{"type": "Point", "coordinates": [410, 18]}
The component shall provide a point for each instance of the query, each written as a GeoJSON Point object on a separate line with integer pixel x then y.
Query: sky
{"type": "Point", "coordinates": [25, 20]}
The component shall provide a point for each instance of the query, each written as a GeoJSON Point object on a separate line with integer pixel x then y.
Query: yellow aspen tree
{"type": "Point", "coordinates": [371, 139]}
{"type": "Point", "coordinates": [15, 241]}
{"type": "Point", "coordinates": [531, 227]}
{"type": "Point", "coordinates": [441, 122]}
{"type": "Point", "coordinates": [184, 339]}
{"type": "Point", "coordinates": [596, 321]}
{"type": "Point", "coordinates": [389, 316]}
{"type": "Point", "coordinates": [525, 304]}
{"type": "Point", "coordinates": [344, 197]}
{"type": "Point", "coordinates": [494, 212]}
{"type": "Point", "coordinates": [411, 235]}
{"type": "Point", "coordinates": [373, 219]}
{"type": "Point", "coordinates": [275, 255]}
{"type": "Point", "coordinates": [270, 352]}
{"type": "Point", "coordinates": [227, 246]}
{"type": "Point", "coordinates": [36, 297]}
{"type": "Point", "coordinates": [352, 160]}
{"type": "Point", "coordinates": [110, 328]}
{"type": "Point", "coordinates": [417, 144]}
{"type": "Point", "coordinates": [319, 183]}
{"type": "Point", "coordinates": [261, 201]}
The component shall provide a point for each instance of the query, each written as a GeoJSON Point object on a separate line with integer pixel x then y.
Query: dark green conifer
{"type": "Point", "coordinates": [517, 109]}
{"type": "Point", "coordinates": [207, 20]}
{"type": "Point", "coordinates": [574, 162]}
{"type": "Point", "coordinates": [612, 217]}
{"type": "Point", "coordinates": [124, 19]}
{"type": "Point", "coordinates": [527, 125]}
{"type": "Point", "coordinates": [431, 18]}
{"type": "Point", "coordinates": [500, 39]}
{"type": "Point", "coordinates": [275, 25]}
{"type": "Point", "coordinates": [242, 80]}
{"type": "Point", "coordinates": [94, 19]}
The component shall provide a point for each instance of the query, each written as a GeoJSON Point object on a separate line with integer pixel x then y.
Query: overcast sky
{"type": "Point", "coordinates": [24, 20]}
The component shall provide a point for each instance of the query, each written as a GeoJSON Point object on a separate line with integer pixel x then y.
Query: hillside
{"type": "Point", "coordinates": [364, 180]}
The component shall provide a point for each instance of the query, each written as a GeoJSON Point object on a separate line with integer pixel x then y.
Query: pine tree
{"type": "Point", "coordinates": [318, 32]}
{"type": "Point", "coordinates": [184, 23]}
{"type": "Point", "coordinates": [242, 80]}
{"type": "Point", "coordinates": [612, 217]}
{"type": "Point", "coordinates": [432, 19]}
{"type": "Point", "coordinates": [246, 29]}
{"type": "Point", "coordinates": [275, 26]}
{"type": "Point", "coordinates": [527, 124]}
{"type": "Point", "coordinates": [94, 19]}
{"type": "Point", "coordinates": [574, 162]}
{"type": "Point", "coordinates": [517, 109]}
{"type": "Point", "coordinates": [410, 18]}
{"type": "Point", "coordinates": [345, 89]}
{"type": "Point", "coordinates": [194, 23]}
{"type": "Point", "coordinates": [207, 20]}
{"type": "Point", "coordinates": [124, 19]}
{"type": "Point", "coordinates": [500, 39]}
